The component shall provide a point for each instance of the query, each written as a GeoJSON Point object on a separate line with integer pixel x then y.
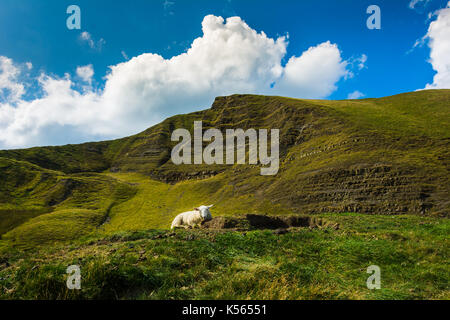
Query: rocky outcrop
{"type": "Point", "coordinates": [380, 189]}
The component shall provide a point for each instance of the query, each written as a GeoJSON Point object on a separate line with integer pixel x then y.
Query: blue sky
{"type": "Point", "coordinates": [116, 31]}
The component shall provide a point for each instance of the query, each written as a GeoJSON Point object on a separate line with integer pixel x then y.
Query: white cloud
{"type": "Point", "coordinates": [439, 42]}
{"type": "Point", "coordinates": [230, 57]}
{"type": "Point", "coordinates": [362, 61]}
{"type": "Point", "coordinates": [10, 89]}
{"type": "Point", "coordinates": [86, 37]}
{"type": "Point", "coordinates": [421, 41]}
{"type": "Point", "coordinates": [418, 43]}
{"type": "Point", "coordinates": [85, 73]}
{"type": "Point", "coordinates": [355, 95]}
{"type": "Point", "coordinates": [314, 74]}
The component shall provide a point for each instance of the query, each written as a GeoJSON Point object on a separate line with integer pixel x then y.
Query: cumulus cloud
{"type": "Point", "coordinates": [10, 88]}
{"type": "Point", "coordinates": [230, 57]}
{"type": "Point", "coordinates": [439, 43]}
{"type": "Point", "coordinates": [85, 73]}
{"type": "Point", "coordinates": [355, 95]}
{"type": "Point", "coordinates": [313, 74]}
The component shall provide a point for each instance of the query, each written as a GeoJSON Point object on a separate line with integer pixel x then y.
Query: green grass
{"type": "Point", "coordinates": [81, 207]}
{"type": "Point", "coordinates": [156, 204]}
{"type": "Point", "coordinates": [422, 113]}
{"type": "Point", "coordinates": [197, 264]}
{"type": "Point", "coordinates": [68, 159]}
{"type": "Point", "coordinates": [98, 203]}
{"type": "Point", "coordinates": [10, 219]}
{"type": "Point", "coordinates": [406, 133]}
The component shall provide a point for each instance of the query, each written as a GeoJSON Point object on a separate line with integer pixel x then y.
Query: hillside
{"type": "Point", "coordinates": [376, 156]}
{"type": "Point", "coordinates": [373, 175]}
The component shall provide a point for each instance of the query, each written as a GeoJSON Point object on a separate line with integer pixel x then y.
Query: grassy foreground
{"type": "Point", "coordinates": [322, 263]}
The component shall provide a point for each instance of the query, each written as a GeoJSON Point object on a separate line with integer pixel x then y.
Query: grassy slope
{"type": "Point", "coordinates": [40, 206]}
{"type": "Point", "coordinates": [85, 157]}
{"type": "Point", "coordinates": [325, 263]}
{"type": "Point", "coordinates": [407, 131]}
{"type": "Point", "coordinates": [45, 198]}
{"type": "Point", "coordinates": [156, 203]}
{"type": "Point", "coordinates": [422, 113]}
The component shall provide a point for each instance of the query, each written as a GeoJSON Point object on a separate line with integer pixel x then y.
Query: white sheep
{"type": "Point", "coordinates": [192, 218]}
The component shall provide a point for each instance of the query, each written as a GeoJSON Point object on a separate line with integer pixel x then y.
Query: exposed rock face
{"type": "Point", "coordinates": [176, 176]}
{"type": "Point", "coordinates": [381, 189]}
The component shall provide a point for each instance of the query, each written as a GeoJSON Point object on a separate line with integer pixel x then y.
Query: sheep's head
{"type": "Point", "coordinates": [204, 212]}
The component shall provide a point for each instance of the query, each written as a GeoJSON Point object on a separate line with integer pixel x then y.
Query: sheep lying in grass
{"type": "Point", "coordinates": [192, 218]}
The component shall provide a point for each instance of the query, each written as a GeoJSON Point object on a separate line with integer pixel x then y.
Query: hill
{"type": "Point", "coordinates": [375, 156]}
{"type": "Point", "coordinates": [374, 172]}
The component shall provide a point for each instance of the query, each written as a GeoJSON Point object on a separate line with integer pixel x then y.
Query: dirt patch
{"type": "Point", "coordinates": [259, 221]}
